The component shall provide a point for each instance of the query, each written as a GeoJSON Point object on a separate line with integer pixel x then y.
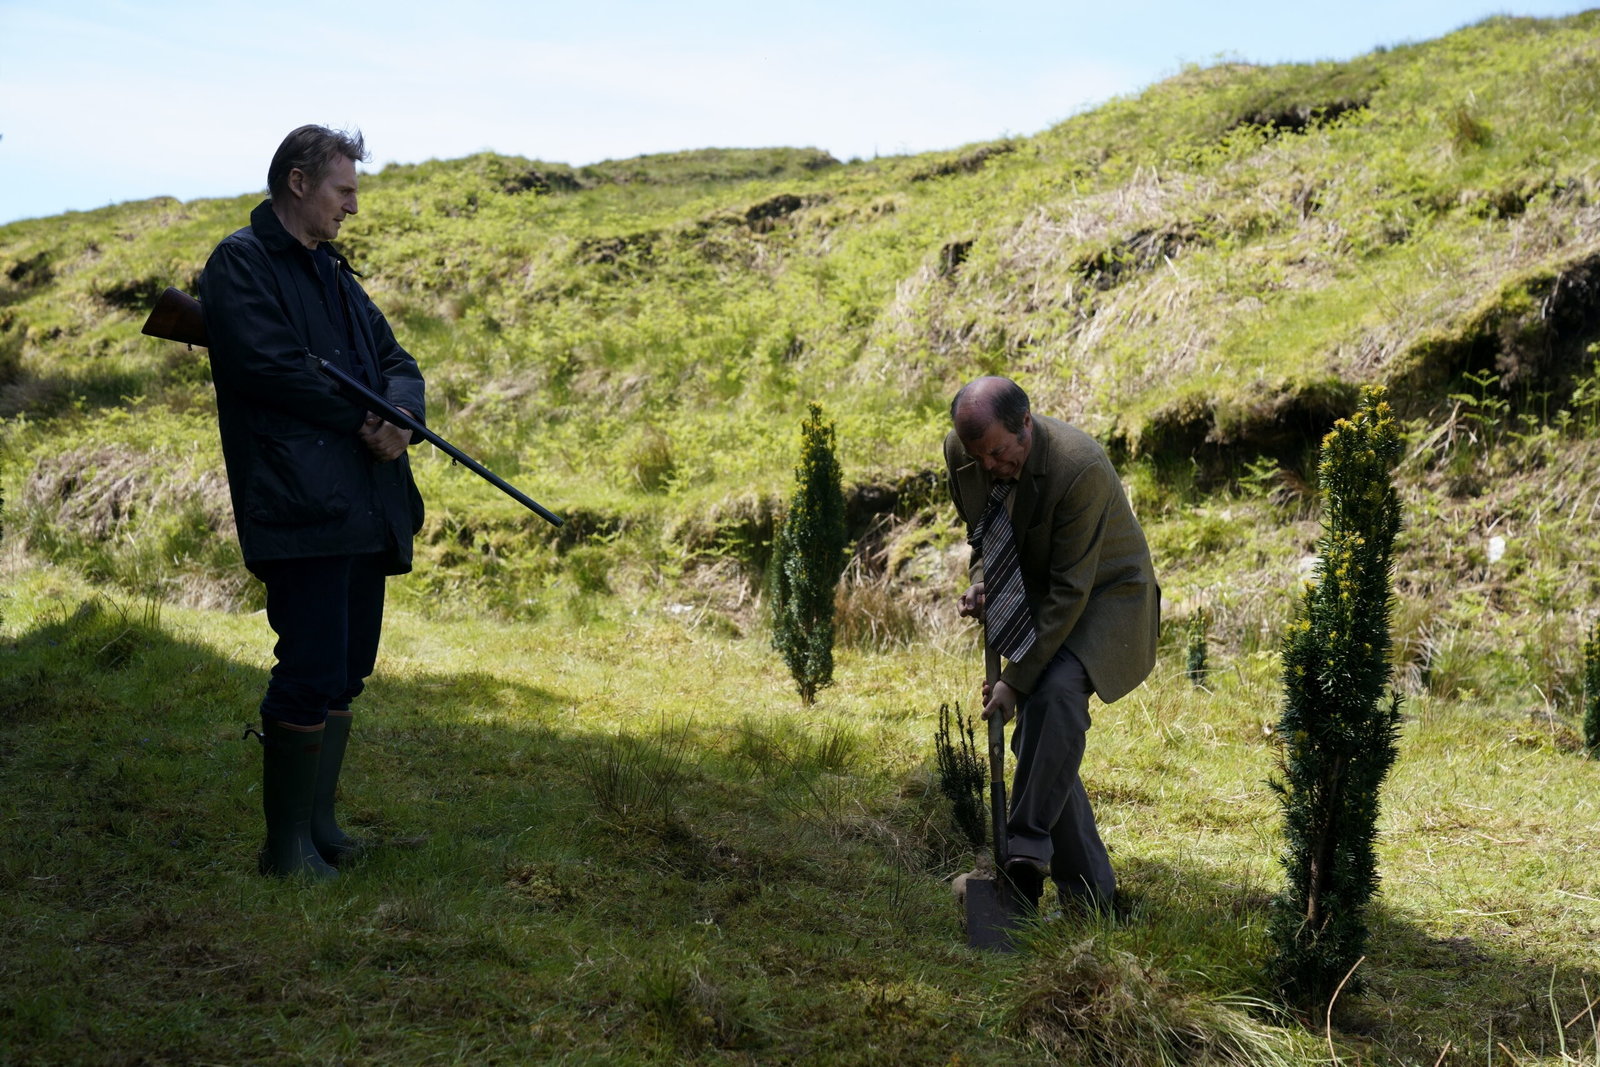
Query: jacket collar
{"type": "Point", "coordinates": [267, 227]}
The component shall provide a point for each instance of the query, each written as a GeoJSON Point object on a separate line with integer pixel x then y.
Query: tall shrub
{"type": "Point", "coordinates": [1591, 691]}
{"type": "Point", "coordinates": [809, 559]}
{"type": "Point", "coordinates": [1339, 730]}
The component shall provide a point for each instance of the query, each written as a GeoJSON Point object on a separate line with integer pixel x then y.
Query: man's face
{"type": "Point", "coordinates": [322, 207]}
{"type": "Point", "coordinates": [1001, 452]}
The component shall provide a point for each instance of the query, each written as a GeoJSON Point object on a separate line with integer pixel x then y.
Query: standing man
{"type": "Point", "coordinates": [1062, 578]}
{"type": "Point", "coordinates": [323, 497]}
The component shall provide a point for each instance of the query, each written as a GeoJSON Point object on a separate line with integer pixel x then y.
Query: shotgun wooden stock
{"type": "Point", "coordinates": [177, 317]}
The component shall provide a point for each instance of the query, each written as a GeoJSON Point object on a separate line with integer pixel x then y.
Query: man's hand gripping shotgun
{"type": "Point", "coordinates": [177, 317]}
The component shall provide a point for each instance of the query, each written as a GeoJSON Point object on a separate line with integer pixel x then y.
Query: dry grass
{"type": "Point", "coordinates": [100, 492]}
{"type": "Point", "coordinates": [1088, 1003]}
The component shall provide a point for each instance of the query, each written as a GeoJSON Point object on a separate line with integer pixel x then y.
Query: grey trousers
{"type": "Point", "coordinates": [1051, 822]}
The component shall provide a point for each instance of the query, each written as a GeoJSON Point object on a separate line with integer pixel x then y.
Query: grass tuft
{"type": "Point", "coordinates": [1087, 1003]}
{"type": "Point", "coordinates": [636, 783]}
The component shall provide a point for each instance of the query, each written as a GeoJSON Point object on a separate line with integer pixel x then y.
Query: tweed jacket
{"type": "Point", "coordinates": [301, 480]}
{"type": "Point", "coordinates": [1084, 560]}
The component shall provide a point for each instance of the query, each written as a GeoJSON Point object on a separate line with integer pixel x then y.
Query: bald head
{"type": "Point", "coordinates": [985, 400]}
{"type": "Point", "coordinates": [992, 419]}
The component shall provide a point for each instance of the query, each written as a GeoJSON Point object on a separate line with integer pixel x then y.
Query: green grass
{"type": "Point", "coordinates": [635, 845]}
{"type": "Point", "coordinates": [625, 839]}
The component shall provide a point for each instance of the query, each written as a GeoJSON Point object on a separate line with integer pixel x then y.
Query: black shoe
{"type": "Point", "coordinates": [1027, 881]}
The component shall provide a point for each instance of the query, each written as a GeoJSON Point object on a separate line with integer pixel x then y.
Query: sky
{"type": "Point", "coordinates": [103, 101]}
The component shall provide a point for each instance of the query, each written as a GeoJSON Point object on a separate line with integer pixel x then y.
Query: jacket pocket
{"type": "Point", "coordinates": [295, 480]}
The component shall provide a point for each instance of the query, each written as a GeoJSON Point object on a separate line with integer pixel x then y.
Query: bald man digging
{"type": "Point", "coordinates": [1071, 603]}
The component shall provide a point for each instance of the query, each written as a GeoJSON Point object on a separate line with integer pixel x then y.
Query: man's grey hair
{"type": "Point", "coordinates": [992, 398]}
{"type": "Point", "coordinates": [312, 150]}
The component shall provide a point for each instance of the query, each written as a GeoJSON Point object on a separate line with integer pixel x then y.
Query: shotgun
{"type": "Point", "coordinates": [177, 317]}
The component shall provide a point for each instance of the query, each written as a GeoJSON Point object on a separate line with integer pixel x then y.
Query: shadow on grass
{"type": "Point", "coordinates": [720, 885]}
{"type": "Point", "coordinates": [127, 765]}
{"type": "Point", "coordinates": [1422, 993]}
{"type": "Point", "coordinates": [531, 915]}
{"type": "Point", "coordinates": [1482, 994]}
{"type": "Point", "coordinates": [51, 394]}
{"type": "Point", "coordinates": [125, 750]}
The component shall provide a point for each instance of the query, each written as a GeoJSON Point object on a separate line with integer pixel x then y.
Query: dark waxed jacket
{"type": "Point", "coordinates": [302, 481]}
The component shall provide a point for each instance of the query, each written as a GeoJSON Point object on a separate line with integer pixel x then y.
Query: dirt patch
{"type": "Point", "coordinates": [1511, 200]}
{"type": "Point", "coordinates": [1299, 117]}
{"type": "Point", "coordinates": [1284, 423]}
{"type": "Point", "coordinates": [744, 525]}
{"type": "Point", "coordinates": [32, 272]}
{"type": "Point", "coordinates": [966, 163]}
{"type": "Point", "coordinates": [540, 180]}
{"type": "Point", "coordinates": [1533, 335]}
{"type": "Point", "coordinates": [581, 526]}
{"type": "Point", "coordinates": [1140, 251]}
{"type": "Point", "coordinates": [740, 526]}
{"type": "Point", "coordinates": [635, 248]}
{"type": "Point", "coordinates": [137, 295]}
{"type": "Point", "coordinates": [900, 497]}
{"type": "Point", "coordinates": [951, 256]}
{"type": "Point", "coordinates": [708, 165]}
{"type": "Point", "coordinates": [1297, 99]}
{"type": "Point", "coordinates": [763, 216]}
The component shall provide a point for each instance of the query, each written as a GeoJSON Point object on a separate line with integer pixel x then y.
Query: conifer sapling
{"type": "Point", "coordinates": [809, 558]}
{"type": "Point", "coordinates": [1338, 728]}
{"type": "Point", "coordinates": [963, 773]}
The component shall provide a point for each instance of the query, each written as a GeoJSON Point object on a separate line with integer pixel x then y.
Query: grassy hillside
{"type": "Point", "coordinates": [1202, 276]}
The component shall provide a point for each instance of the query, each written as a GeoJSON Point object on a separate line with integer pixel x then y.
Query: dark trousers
{"type": "Point", "coordinates": [1051, 821]}
{"type": "Point", "coordinates": [327, 612]}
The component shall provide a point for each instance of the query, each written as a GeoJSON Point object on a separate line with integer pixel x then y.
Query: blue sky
{"type": "Point", "coordinates": [109, 100]}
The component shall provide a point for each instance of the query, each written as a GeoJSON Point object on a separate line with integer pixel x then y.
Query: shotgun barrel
{"type": "Point", "coordinates": [377, 403]}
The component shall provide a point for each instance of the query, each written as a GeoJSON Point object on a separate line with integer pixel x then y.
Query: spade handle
{"type": "Point", "coordinates": [997, 761]}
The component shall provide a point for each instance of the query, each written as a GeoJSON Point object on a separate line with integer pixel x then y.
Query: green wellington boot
{"type": "Point", "coordinates": [289, 760]}
{"type": "Point", "coordinates": [332, 843]}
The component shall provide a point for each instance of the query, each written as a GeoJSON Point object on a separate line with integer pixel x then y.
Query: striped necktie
{"type": "Point", "coordinates": [1008, 622]}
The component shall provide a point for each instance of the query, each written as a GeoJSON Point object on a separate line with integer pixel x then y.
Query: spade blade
{"type": "Point", "coordinates": [991, 915]}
